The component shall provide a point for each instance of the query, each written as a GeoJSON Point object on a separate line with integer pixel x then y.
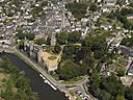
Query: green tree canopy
{"type": "Point", "coordinates": [62, 38]}
{"type": "Point", "coordinates": [127, 41]}
{"type": "Point", "coordinates": [40, 41]}
{"type": "Point", "coordinates": [129, 93]}
{"type": "Point", "coordinates": [21, 36]}
{"type": "Point", "coordinates": [68, 70]}
{"type": "Point", "coordinates": [74, 37]}
{"type": "Point", "coordinates": [97, 44]}
{"type": "Point", "coordinates": [93, 7]}
{"type": "Point", "coordinates": [77, 9]}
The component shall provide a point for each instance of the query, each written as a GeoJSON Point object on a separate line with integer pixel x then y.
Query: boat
{"type": "Point", "coordinates": [42, 76]}
{"type": "Point", "coordinates": [50, 84]}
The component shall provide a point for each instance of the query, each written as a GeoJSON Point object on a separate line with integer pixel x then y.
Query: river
{"type": "Point", "coordinates": [37, 83]}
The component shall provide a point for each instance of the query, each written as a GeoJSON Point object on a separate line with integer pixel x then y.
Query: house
{"type": "Point", "coordinates": [130, 17]}
{"type": "Point", "coordinates": [34, 49]}
{"type": "Point", "coordinates": [82, 1]}
{"type": "Point", "coordinates": [108, 5]}
{"type": "Point", "coordinates": [126, 80]}
{"type": "Point", "coordinates": [48, 60]}
{"type": "Point", "coordinates": [110, 2]}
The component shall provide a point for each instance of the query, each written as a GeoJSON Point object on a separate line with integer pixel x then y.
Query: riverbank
{"type": "Point", "coordinates": [35, 66]}
{"type": "Point", "coordinates": [14, 85]}
{"type": "Point", "coordinates": [37, 83]}
{"type": "Point", "coordinates": [39, 69]}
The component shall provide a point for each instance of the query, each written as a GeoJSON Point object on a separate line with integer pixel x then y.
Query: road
{"type": "Point", "coordinates": [62, 87]}
{"type": "Point", "coordinates": [38, 68]}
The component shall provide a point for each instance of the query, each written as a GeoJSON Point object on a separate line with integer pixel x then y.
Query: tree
{"type": "Point", "coordinates": [112, 85]}
{"type": "Point", "coordinates": [8, 93]}
{"type": "Point", "coordinates": [57, 49]}
{"type": "Point", "coordinates": [77, 9]}
{"type": "Point", "coordinates": [129, 93]}
{"type": "Point", "coordinates": [121, 72]}
{"type": "Point", "coordinates": [93, 7]}
{"type": "Point", "coordinates": [104, 95]}
{"type": "Point", "coordinates": [94, 84]}
{"type": "Point", "coordinates": [120, 97]}
{"type": "Point", "coordinates": [16, 81]}
{"type": "Point", "coordinates": [62, 38]}
{"type": "Point", "coordinates": [127, 41]}
{"type": "Point", "coordinates": [68, 70]}
{"type": "Point", "coordinates": [121, 15]}
{"type": "Point", "coordinates": [69, 52]}
{"type": "Point", "coordinates": [97, 44]}
{"type": "Point", "coordinates": [21, 44]}
{"type": "Point", "coordinates": [99, 49]}
{"type": "Point", "coordinates": [48, 40]}
{"type": "Point", "coordinates": [74, 37]}
{"type": "Point", "coordinates": [37, 11]}
{"type": "Point", "coordinates": [126, 11]}
{"type": "Point", "coordinates": [131, 4]}
{"type": "Point", "coordinates": [88, 64]}
{"type": "Point", "coordinates": [22, 83]}
{"type": "Point", "coordinates": [29, 36]}
{"type": "Point", "coordinates": [40, 41]}
{"type": "Point", "coordinates": [81, 54]}
{"type": "Point", "coordinates": [22, 36]}
{"type": "Point", "coordinates": [106, 88]}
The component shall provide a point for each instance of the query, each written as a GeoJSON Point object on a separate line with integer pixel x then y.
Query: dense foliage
{"type": "Point", "coordinates": [68, 70]}
{"type": "Point", "coordinates": [65, 38]}
{"type": "Point", "coordinates": [85, 58]}
{"type": "Point", "coordinates": [23, 36]}
{"type": "Point", "coordinates": [93, 7]}
{"type": "Point", "coordinates": [16, 81]}
{"type": "Point", "coordinates": [40, 41]}
{"type": "Point", "coordinates": [122, 15]}
{"type": "Point", "coordinates": [77, 9]}
{"type": "Point", "coordinates": [128, 41]}
{"type": "Point", "coordinates": [109, 88]}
